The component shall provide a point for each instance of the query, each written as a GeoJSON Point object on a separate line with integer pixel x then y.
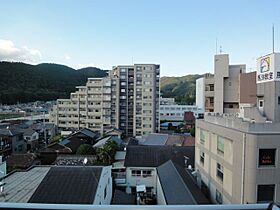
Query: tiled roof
{"type": "Point", "coordinates": [154, 156]}
{"type": "Point", "coordinates": [68, 185]}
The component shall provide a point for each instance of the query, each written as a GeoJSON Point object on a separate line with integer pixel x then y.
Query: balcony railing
{"type": "Point", "coordinates": [18, 206]}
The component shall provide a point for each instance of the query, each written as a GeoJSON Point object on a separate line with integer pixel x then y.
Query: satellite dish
{"type": "Point", "coordinates": [85, 161]}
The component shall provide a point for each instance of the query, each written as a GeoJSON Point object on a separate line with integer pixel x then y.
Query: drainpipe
{"type": "Point", "coordinates": [243, 167]}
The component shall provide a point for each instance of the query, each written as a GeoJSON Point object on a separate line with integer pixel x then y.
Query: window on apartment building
{"type": "Point", "coordinates": [278, 100]}
{"type": "Point", "coordinates": [261, 103]}
{"type": "Point", "coordinates": [219, 197]}
{"type": "Point", "coordinates": [265, 193]}
{"type": "Point", "coordinates": [220, 145]}
{"type": "Point", "coordinates": [202, 136]}
{"type": "Point", "coordinates": [278, 74]}
{"type": "Point", "coordinates": [147, 173]}
{"type": "Point", "coordinates": [136, 173]}
{"type": "Point", "coordinates": [267, 157]}
{"type": "Point", "coordinates": [122, 90]}
{"type": "Point", "coordinates": [220, 171]}
{"type": "Point", "coordinates": [202, 156]}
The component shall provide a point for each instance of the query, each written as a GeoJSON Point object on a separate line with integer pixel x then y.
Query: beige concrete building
{"type": "Point", "coordinates": [237, 155]}
{"type": "Point", "coordinates": [127, 99]}
{"type": "Point", "coordinates": [220, 92]}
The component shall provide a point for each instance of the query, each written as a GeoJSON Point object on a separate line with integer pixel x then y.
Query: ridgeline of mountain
{"type": "Point", "coordinates": [180, 88]}
{"type": "Point", "coordinates": [20, 82]}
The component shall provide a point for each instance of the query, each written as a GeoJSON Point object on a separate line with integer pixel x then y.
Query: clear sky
{"type": "Point", "coordinates": [180, 35]}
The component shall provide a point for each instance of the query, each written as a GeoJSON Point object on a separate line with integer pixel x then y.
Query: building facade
{"type": "Point", "coordinates": [176, 112]}
{"type": "Point", "coordinates": [220, 92]}
{"type": "Point", "coordinates": [127, 99]}
{"type": "Point", "coordinates": [237, 155]}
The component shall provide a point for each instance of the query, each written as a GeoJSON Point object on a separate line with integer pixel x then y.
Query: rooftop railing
{"type": "Point", "coordinates": [19, 206]}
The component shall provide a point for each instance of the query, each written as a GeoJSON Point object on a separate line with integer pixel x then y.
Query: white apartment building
{"type": "Point", "coordinates": [176, 112]}
{"type": "Point", "coordinates": [238, 155]}
{"type": "Point", "coordinates": [127, 99]}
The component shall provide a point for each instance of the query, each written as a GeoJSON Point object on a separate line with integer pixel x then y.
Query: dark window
{"type": "Point", "coordinates": [261, 103]}
{"type": "Point", "coordinates": [278, 99]}
{"type": "Point", "coordinates": [265, 193]}
{"type": "Point", "coordinates": [202, 155]}
{"type": "Point", "coordinates": [220, 171]}
{"type": "Point", "coordinates": [219, 197]}
{"type": "Point", "coordinates": [105, 192]}
{"type": "Point", "coordinates": [267, 157]}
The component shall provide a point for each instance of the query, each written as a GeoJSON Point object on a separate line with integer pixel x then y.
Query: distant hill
{"type": "Point", "coordinates": [180, 88]}
{"type": "Point", "coordinates": [20, 82]}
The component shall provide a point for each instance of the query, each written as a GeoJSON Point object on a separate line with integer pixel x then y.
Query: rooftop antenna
{"type": "Point", "coordinates": [221, 49]}
{"type": "Point", "coordinates": [272, 38]}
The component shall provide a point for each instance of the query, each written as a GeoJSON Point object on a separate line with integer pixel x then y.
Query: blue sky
{"type": "Point", "coordinates": [180, 35]}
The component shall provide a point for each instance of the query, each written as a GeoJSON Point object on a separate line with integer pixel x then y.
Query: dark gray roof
{"type": "Point", "coordinates": [155, 139]}
{"type": "Point", "coordinates": [28, 132]}
{"type": "Point", "coordinates": [10, 132]}
{"type": "Point", "coordinates": [68, 185]}
{"type": "Point", "coordinates": [178, 186]}
{"type": "Point", "coordinates": [174, 189]}
{"type": "Point", "coordinates": [190, 183]}
{"type": "Point", "coordinates": [154, 156]}
{"type": "Point", "coordinates": [87, 132]}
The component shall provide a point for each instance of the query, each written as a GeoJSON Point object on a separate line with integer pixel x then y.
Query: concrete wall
{"type": "Point", "coordinates": [241, 173]}
{"type": "Point", "coordinates": [269, 93]}
{"type": "Point", "coordinates": [248, 88]}
{"type": "Point", "coordinates": [104, 185]}
{"type": "Point", "coordinates": [160, 195]}
{"type": "Point", "coordinates": [200, 89]}
{"type": "Point", "coordinates": [221, 70]}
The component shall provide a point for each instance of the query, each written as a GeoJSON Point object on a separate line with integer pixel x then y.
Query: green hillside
{"type": "Point", "coordinates": [180, 88]}
{"type": "Point", "coordinates": [20, 82]}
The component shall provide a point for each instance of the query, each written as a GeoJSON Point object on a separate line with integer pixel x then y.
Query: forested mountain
{"type": "Point", "coordinates": [180, 88]}
{"type": "Point", "coordinates": [20, 82]}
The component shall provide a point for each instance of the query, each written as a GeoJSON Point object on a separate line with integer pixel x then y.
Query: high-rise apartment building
{"type": "Point", "coordinates": [127, 99]}
{"type": "Point", "coordinates": [237, 155]}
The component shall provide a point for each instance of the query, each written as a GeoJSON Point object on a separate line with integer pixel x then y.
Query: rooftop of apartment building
{"type": "Point", "coordinates": [235, 121]}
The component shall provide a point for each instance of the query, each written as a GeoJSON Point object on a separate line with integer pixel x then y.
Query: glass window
{"type": "Point", "coordinates": [220, 171]}
{"type": "Point", "coordinates": [265, 193]}
{"type": "Point", "coordinates": [202, 136]}
{"type": "Point", "coordinates": [267, 157]}
{"type": "Point", "coordinates": [220, 145]}
{"type": "Point", "coordinates": [202, 156]}
{"type": "Point", "coordinates": [136, 172]}
{"type": "Point", "coordinates": [219, 197]}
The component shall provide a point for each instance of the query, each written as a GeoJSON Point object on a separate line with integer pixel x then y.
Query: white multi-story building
{"type": "Point", "coordinates": [127, 99]}
{"type": "Point", "coordinates": [176, 112]}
